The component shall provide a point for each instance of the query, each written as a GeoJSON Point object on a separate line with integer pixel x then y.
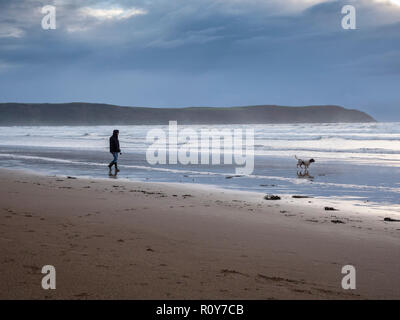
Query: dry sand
{"type": "Point", "coordinates": [114, 239]}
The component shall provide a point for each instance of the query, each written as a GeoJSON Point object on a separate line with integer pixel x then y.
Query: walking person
{"type": "Point", "coordinates": [114, 149]}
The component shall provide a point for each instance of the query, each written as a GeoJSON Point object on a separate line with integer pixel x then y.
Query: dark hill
{"type": "Point", "coordinates": [102, 114]}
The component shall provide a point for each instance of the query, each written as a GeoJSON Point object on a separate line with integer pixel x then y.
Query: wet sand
{"type": "Point", "coordinates": [114, 239]}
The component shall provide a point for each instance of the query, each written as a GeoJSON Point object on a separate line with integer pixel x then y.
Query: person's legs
{"type": "Point", "coordinates": [115, 155]}
{"type": "Point", "coordinates": [116, 161]}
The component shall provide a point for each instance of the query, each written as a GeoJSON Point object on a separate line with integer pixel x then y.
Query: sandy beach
{"type": "Point", "coordinates": [116, 239]}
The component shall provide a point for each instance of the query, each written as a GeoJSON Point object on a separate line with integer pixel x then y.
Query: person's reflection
{"type": "Point", "coordinates": [113, 175]}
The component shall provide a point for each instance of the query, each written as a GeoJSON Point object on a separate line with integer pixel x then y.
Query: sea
{"type": "Point", "coordinates": [357, 162]}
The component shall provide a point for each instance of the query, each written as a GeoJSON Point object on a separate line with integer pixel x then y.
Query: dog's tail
{"type": "Point", "coordinates": [296, 157]}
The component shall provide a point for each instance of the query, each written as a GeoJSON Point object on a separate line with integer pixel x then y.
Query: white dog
{"type": "Point", "coordinates": [305, 163]}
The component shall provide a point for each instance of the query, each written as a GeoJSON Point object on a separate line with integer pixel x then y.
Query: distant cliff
{"type": "Point", "coordinates": [101, 114]}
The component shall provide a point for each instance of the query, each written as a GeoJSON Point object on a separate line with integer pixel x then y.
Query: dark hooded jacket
{"type": "Point", "coordinates": [114, 144]}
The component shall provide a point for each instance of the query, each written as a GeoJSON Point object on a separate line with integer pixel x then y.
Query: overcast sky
{"type": "Point", "coordinates": [165, 53]}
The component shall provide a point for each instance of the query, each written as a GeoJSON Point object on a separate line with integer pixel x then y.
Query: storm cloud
{"type": "Point", "coordinates": [203, 52]}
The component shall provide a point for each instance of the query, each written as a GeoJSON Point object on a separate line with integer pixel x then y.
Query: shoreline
{"type": "Point", "coordinates": [114, 239]}
{"type": "Point", "coordinates": [362, 207]}
{"type": "Point", "coordinates": [363, 176]}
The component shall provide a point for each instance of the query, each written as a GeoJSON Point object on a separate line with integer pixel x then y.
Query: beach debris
{"type": "Point", "coordinates": [150, 250]}
{"type": "Point", "coordinates": [301, 197]}
{"type": "Point", "coordinates": [337, 221]}
{"type": "Point", "coordinates": [149, 192]}
{"type": "Point", "coordinates": [230, 177]}
{"type": "Point", "coordinates": [330, 209]}
{"type": "Point", "coordinates": [69, 177]}
{"type": "Point", "coordinates": [272, 197]}
{"type": "Point", "coordinates": [391, 220]}
{"type": "Point", "coordinates": [228, 271]}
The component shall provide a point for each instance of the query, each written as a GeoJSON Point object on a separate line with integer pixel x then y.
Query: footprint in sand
{"type": "Point", "coordinates": [228, 272]}
{"type": "Point", "coordinates": [33, 269]}
{"type": "Point", "coordinates": [279, 279]}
